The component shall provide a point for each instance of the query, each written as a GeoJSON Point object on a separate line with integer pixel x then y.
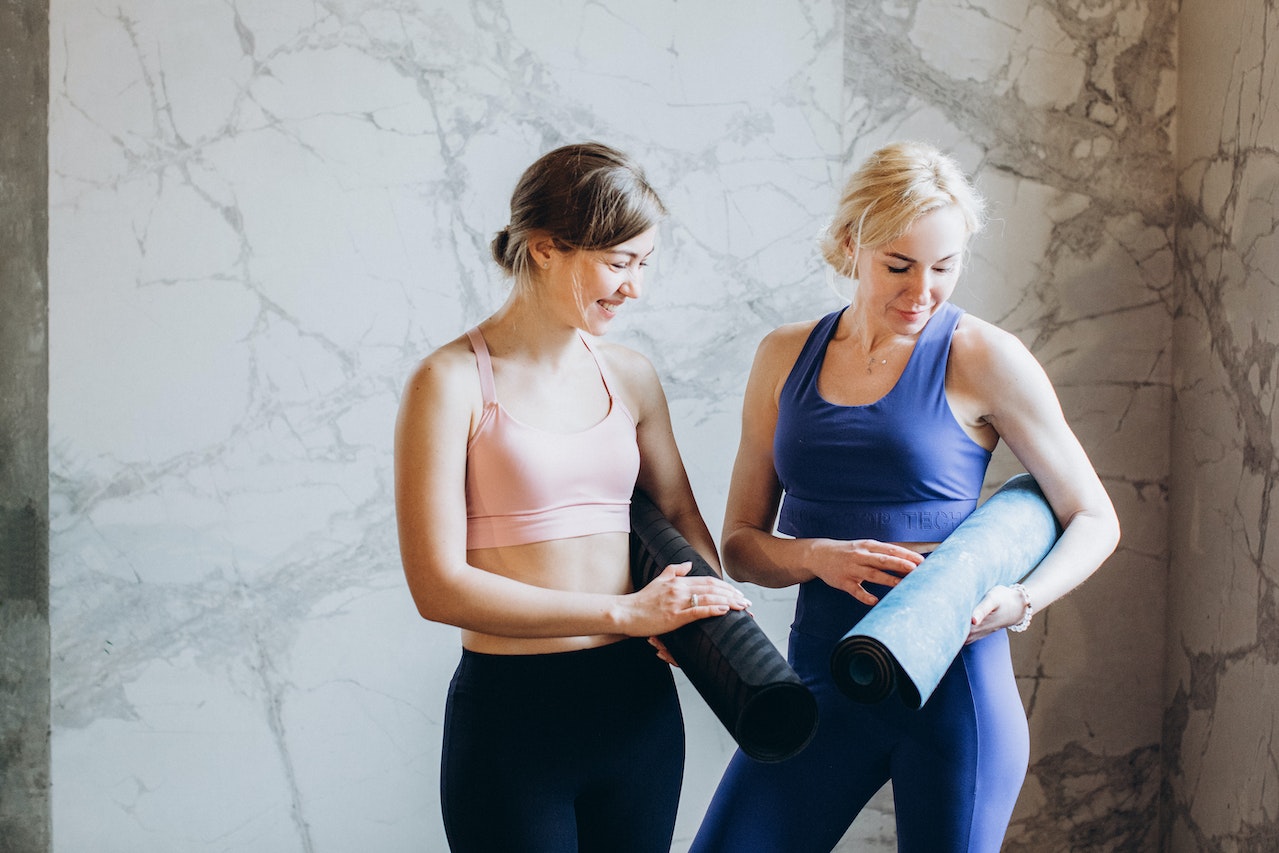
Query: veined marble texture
{"type": "Point", "coordinates": [1221, 788]}
{"type": "Point", "coordinates": [263, 212]}
{"type": "Point", "coordinates": [1064, 111]}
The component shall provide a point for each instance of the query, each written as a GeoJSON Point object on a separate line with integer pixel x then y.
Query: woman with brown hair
{"type": "Point", "coordinates": [518, 446]}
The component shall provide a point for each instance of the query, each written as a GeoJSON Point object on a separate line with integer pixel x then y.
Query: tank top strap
{"type": "Point", "coordinates": [484, 363]}
{"type": "Point", "coordinates": [926, 370]}
{"type": "Point", "coordinates": [802, 379]}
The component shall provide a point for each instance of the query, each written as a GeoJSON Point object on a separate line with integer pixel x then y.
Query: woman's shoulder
{"type": "Point", "coordinates": [447, 371]}
{"type": "Point", "coordinates": [791, 332]}
{"type": "Point", "coordinates": [633, 374]}
{"type": "Point", "coordinates": [634, 379]}
{"type": "Point", "coordinates": [780, 347]}
{"type": "Point", "coordinates": [627, 364]}
{"type": "Point", "coordinates": [982, 351]}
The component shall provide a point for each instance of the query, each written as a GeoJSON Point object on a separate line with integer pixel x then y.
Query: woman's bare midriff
{"type": "Point", "coordinates": [598, 563]}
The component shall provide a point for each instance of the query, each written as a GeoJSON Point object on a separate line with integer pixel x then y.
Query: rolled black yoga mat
{"type": "Point", "coordinates": [729, 658]}
{"type": "Point", "coordinates": [909, 639]}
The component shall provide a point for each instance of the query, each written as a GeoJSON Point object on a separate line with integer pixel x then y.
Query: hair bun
{"type": "Point", "coordinates": [501, 242]}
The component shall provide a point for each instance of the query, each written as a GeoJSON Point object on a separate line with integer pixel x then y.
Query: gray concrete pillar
{"type": "Point", "coordinates": [24, 427]}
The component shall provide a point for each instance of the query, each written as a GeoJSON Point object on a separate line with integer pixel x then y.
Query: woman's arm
{"type": "Point", "coordinates": [751, 551]}
{"type": "Point", "coordinates": [434, 424]}
{"type": "Point", "coordinates": [993, 371]}
{"type": "Point", "coordinates": [662, 475]}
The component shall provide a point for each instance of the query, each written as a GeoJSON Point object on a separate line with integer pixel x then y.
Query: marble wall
{"type": "Point", "coordinates": [1221, 769]}
{"type": "Point", "coordinates": [1065, 109]}
{"type": "Point", "coordinates": [262, 213]}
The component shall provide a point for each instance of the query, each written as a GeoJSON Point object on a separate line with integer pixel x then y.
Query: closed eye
{"type": "Point", "coordinates": [621, 266]}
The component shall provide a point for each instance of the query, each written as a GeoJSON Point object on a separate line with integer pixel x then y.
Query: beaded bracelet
{"type": "Point", "coordinates": [1030, 609]}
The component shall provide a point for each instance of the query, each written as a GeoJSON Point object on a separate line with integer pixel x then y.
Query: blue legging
{"type": "Point", "coordinates": [956, 764]}
{"type": "Point", "coordinates": [562, 753]}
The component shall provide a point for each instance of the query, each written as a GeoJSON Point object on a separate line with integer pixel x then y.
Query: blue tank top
{"type": "Point", "coordinates": [900, 469]}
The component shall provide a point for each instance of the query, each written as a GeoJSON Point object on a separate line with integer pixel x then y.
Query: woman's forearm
{"type": "Point", "coordinates": [753, 556]}
{"type": "Point", "coordinates": [1087, 541]}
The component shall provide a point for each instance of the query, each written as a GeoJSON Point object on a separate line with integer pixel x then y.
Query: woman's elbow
{"type": "Point", "coordinates": [1110, 528]}
{"type": "Point", "coordinates": [428, 607]}
{"type": "Point", "coordinates": [734, 556]}
{"type": "Point", "coordinates": [1103, 526]}
{"type": "Point", "coordinates": [429, 610]}
{"type": "Point", "coordinates": [433, 601]}
{"type": "Point", "coordinates": [1114, 531]}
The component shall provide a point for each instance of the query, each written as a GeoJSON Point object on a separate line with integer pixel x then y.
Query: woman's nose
{"type": "Point", "coordinates": [633, 285]}
{"type": "Point", "coordinates": [918, 286]}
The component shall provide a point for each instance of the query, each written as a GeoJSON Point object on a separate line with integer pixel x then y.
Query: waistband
{"type": "Point", "coordinates": [610, 656]}
{"type": "Point", "coordinates": [908, 521]}
{"type": "Point", "coordinates": [629, 665]}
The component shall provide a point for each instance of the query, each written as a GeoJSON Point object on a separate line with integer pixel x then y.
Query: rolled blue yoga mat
{"type": "Point", "coordinates": [729, 659]}
{"type": "Point", "coordinates": [909, 639]}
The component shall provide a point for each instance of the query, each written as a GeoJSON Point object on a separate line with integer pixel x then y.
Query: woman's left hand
{"type": "Point", "coordinates": [1002, 606]}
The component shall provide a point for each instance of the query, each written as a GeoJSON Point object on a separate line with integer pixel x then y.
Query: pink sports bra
{"type": "Point", "coordinates": [525, 484]}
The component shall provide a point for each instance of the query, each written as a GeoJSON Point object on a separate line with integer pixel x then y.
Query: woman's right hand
{"type": "Point", "coordinates": [675, 598]}
{"type": "Point", "coordinates": [846, 565]}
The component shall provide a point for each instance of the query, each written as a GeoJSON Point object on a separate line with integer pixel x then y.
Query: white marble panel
{"type": "Point", "coordinates": [262, 214]}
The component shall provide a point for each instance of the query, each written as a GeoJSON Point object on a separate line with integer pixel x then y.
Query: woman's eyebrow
{"type": "Point", "coordinates": [908, 259]}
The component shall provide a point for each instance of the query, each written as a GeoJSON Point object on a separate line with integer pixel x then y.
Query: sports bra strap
{"type": "Point", "coordinates": [599, 364]}
{"type": "Point", "coordinates": [485, 364]}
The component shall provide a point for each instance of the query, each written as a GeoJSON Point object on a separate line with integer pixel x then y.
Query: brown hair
{"type": "Point", "coordinates": [585, 196]}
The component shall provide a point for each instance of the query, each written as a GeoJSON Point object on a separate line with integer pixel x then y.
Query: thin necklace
{"type": "Point", "coordinates": [888, 348]}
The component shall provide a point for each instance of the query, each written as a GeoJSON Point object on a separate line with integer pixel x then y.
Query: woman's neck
{"type": "Point", "coordinates": [859, 331]}
{"type": "Point", "coordinates": [525, 328]}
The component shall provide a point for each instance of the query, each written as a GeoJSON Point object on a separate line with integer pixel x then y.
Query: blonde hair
{"type": "Point", "coordinates": [894, 187]}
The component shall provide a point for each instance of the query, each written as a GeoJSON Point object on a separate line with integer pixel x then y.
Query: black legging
{"type": "Point", "coordinates": [576, 751]}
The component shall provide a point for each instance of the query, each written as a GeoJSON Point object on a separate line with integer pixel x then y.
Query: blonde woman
{"type": "Point", "coordinates": [866, 437]}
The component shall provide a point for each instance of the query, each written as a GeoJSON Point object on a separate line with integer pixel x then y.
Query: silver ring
{"type": "Point", "coordinates": [694, 599]}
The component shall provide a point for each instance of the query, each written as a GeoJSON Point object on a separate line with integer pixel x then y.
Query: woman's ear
{"type": "Point", "coordinates": [541, 249]}
{"type": "Point", "coordinates": [853, 253]}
